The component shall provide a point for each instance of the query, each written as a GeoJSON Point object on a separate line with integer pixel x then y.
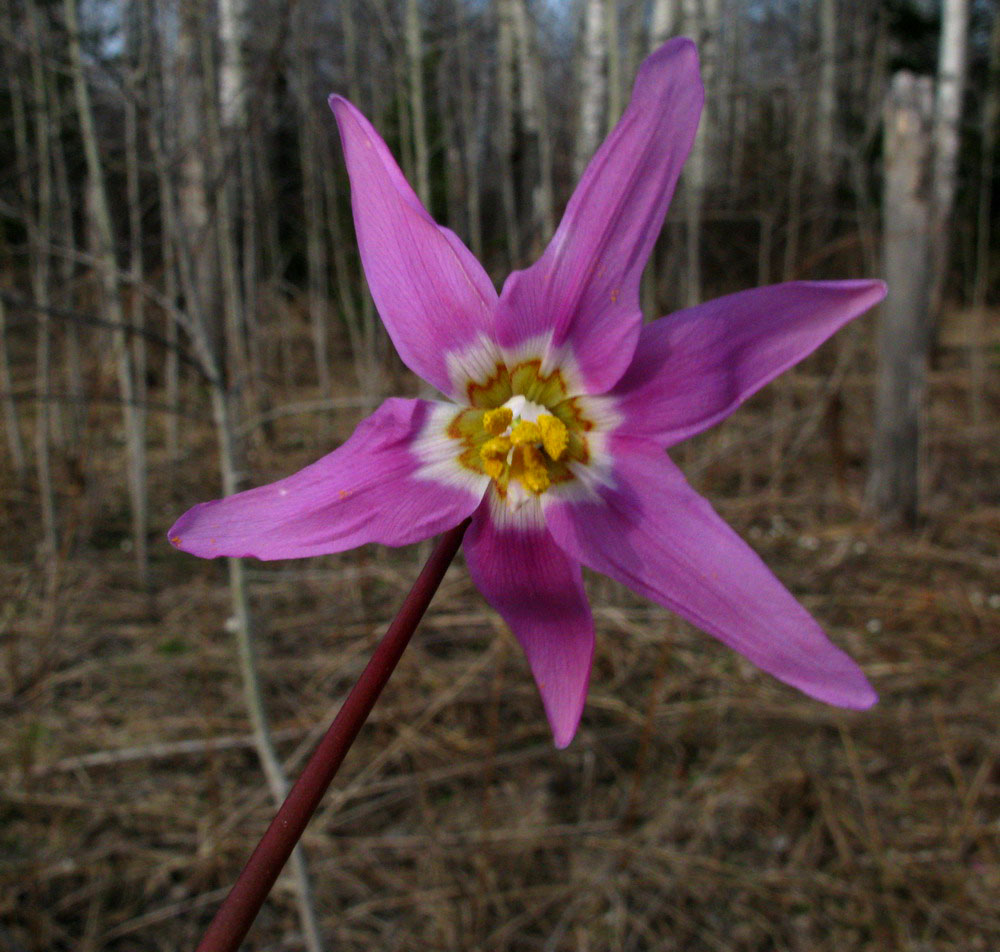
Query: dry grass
{"type": "Point", "coordinates": [703, 806]}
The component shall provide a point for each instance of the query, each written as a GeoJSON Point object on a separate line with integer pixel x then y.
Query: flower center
{"type": "Point", "coordinates": [524, 439]}
{"type": "Point", "coordinates": [522, 430]}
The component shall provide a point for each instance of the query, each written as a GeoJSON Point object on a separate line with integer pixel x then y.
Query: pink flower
{"type": "Point", "coordinates": [559, 407]}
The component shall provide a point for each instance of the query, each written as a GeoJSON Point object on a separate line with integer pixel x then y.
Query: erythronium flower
{"type": "Point", "coordinates": [560, 406]}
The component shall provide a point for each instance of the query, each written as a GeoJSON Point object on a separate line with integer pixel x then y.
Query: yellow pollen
{"type": "Point", "coordinates": [494, 456]}
{"type": "Point", "coordinates": [496, 421]}
{"type": "Point", "coordinates": [493, 468]}
{"type": "Point", "coordinates": [526, 433]}
{"type": "Point", "coordinates": [535, 476]}
{"type": "Point", "coordinates": [555, 436]}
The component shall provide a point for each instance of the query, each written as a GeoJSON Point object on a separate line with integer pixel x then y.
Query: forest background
{"type": "Point", "coordinates": [183, 313]}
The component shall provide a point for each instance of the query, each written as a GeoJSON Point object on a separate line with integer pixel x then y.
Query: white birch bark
{"type": "Point", "coordinates": [133, 91]}
{"type": "Point", "coordinates": [193, 236]}
{"type": "Point", "coordinates": [107, 266]}
{"type": "Point", "coordinates": [947, 118]}
{"type": "Point", "coordinates": [664, 23]}
{"type": "Point", "coordinates": [701, 20]}
{"type": "Point", "coordinates": [537, 146]}
{"type": "Point", "coordinates": [221, 225]}
{"type": "Point", "coordinates": [904, 326]}
{"type": "Point", "coordinates": [415, 62]}
{"type": "Point", "coordinates": [593, 84]}
{"type": "Point", "coordinates": [615, 90]}
{"type": "Point", "coordinates": [232, 78]}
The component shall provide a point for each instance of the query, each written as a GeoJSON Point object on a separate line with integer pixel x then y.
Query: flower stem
{"type": "Point", "coordinates": [240, 908]}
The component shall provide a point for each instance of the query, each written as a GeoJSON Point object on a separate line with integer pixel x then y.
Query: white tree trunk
{"type": "Point", "coordinates": [232, 78]}
{"type": "Point", "coordinates": [904, 327]}
{"type": "Point", "coordinates": [415, 59]}
{"type": "Point", "coordinates": [111, 298]}
{"type": "Point", "coordinates": [701, 21]}
{"type": "Point", "coordinates": [593, 84]}
{"type": "Point", "coordinates": [665, 22]}
{"type": "Point", "coordinates": [193, 236]}
{"type": "Point", "coordinates": [947, 118]}
{"type": "Point", "coordinates": [537, 147]}
{"type": "Point", "coordinates": [615, 90]}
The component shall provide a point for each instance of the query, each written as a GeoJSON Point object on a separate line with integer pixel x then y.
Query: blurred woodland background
{"type": "Point", "coordinates": [182, 314]}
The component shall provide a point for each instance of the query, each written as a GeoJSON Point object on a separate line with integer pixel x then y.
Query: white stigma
{"type": "Point", "coordinates": [524, 409]}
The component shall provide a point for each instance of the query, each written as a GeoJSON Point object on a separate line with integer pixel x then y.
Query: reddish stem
{"type": "Point", "coordinates": [237, 913]}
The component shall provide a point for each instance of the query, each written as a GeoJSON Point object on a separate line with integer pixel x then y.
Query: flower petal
{"type": "Point", "coordinates": [584, 290]}
{"type": "Point", "coordinates": [539, 593]}
{"type": "Point", "coordinates": [389, 483]}
{"type": "Point", "coordinates": [433, 295]}
{"type": "Point", "coordinates": [656, 535]}
{"type": "Point", "coordinates": [693, 368]}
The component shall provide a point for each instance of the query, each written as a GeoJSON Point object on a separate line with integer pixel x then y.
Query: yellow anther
{"type": "Point", "coordinates": [496, 421]}
{"type": "Point", "coordinates": [497, 448]}
{"type": "Point", "coordinates": [493, 468]}
{"type": "Point", "coordinates": [534, 475]}
{"type": "Point", "coordinates": [555, 436]}
{"type": "Point", "coordinates": [526, 433]}
{"type": "Point", "coordinates": [494, 456]}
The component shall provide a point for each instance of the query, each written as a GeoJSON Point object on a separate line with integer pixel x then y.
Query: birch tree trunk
{"type": "Point", "coordinates": [701, 20]}
{"type": "Point", "coordinates": [232, 78]}
{"type": "Point", "coordinates": [221, 226]}
{"type": "Point", "coordinates": [159, 134]}
{"type": "Point", "coordinates": [536, 144]}
{"type": "Point", "coordinates": [134, 81]}
{"type": "Point", "coordinates": [665, 22]}
{"type": "Point", "coordinates": [947, 119]}
{"type": "Point", "coordinates": [238, 183]}
{"type": "Point", "coordinates": [415, 60]}
{"type": "Point", "coordinates": [615, 90]}
{"type": "Point", "coordinates": [593, 85]}
{"type": "Point", "coordinates": [904, 328]}
{"type": "Point", "coordinates": [193, 236]}
{"type": "Point", "coordinates": [111, 300]}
